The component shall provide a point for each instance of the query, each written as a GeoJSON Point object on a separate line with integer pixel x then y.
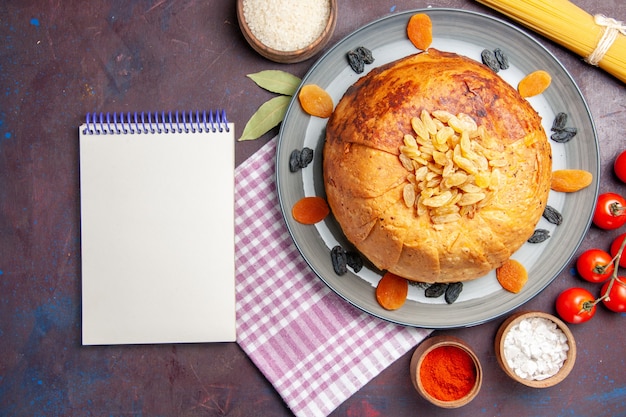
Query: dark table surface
{"type": "Point", "coordinates": [61, 59]}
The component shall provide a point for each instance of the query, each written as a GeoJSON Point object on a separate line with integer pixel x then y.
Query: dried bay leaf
{"type": "Point", "coordinates": [276, 81]}
{"type": "Point", "coordinates": [268, 116]}
{"type": "Point", "coordinates": [272, 112]}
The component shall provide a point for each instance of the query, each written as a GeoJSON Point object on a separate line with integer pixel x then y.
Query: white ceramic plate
{"type": "Point", "coordinates": [466, 33]}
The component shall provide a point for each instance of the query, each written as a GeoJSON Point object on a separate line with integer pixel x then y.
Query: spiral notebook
{"type": "Point", "coordinates": [157, 228]}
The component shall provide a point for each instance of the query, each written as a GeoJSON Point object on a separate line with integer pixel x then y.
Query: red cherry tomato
{"type": "Point", "coordinates": [615, 248]}
{"type": "Point", "coordinates": [575, 305]}
{"type": "Point", "coordinates": [610, 212]}
{"type": "Point", "coordinates": [595, 265]}
{"type": "Point", "coordinates": [619, 166]}
{"type": "Point", "coordinates": [616, 300]}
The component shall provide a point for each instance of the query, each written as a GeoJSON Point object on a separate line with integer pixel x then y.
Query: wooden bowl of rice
{"type": "Point", "coordinates": [287, 31]}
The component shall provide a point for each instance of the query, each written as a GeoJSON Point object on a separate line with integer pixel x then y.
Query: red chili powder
{"type": "Point", "coordinates": [448, 373]}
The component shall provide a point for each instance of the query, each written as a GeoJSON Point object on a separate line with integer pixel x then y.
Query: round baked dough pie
{"type": "Point", "coordinates": [435, 168]}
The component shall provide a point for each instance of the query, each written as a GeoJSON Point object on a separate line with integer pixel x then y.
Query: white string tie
{"type": "Point", "coordinates": [612, 28]}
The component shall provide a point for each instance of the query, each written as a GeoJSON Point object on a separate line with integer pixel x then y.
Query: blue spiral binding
{"type": "Point", "coordinates": [155, 122]}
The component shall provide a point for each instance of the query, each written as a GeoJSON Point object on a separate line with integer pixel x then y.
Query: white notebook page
{"type": "Point", "coordinates": [157, 237]}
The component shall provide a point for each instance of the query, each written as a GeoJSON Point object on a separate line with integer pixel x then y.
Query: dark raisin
{"type": "Point", "coordinates": [564, 135]}
{"type": "Point", "coordinates": [539, 236]}
{"type": "Point", "coordinates": [339, 259]}
{"type": "Point", "coordinates": [294, 160]}
{"type": "Point", "coordinates": [306, 156]}
{"type": "Point", "coordinates": [560, 120]}
{"type": "Point", "coordinates": [489, 59]}
{"type": "Point", "coordinates": [435, 290]}
{"type": "Point", "coordinates": [502, 58]}
{"type": "Point", "coordinates": [356, 62]}
{"type": "Point", "coordinates": [354, 261]}
{"type": "Point", "coordinates": [552, 215]}
{"type": "Point", "coordinates": [561, 133]}
{"type": "Point", "coordinates": [453, 291]}
{"type": "Point", "coordinates": [365, 54]}
{"type": "Point", "coordinates": [418, 284]}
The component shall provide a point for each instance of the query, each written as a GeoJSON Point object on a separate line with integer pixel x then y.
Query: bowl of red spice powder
{"type": "Point", "coordinates": [446, 372]}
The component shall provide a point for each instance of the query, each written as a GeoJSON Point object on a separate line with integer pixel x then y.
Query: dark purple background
{"type": "Point", "coordinates": [62, 59]}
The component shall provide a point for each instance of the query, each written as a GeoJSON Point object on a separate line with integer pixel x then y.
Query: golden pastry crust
{"type": "Point", "coordinates": [364, 178]}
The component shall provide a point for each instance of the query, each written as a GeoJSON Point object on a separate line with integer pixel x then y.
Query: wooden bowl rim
{"type": "Point", "coordinates": [289, 57]}
{"type": "Point", "coordinates": [568, 365]}
{"type": "Point", "coordinates": [431, 344]}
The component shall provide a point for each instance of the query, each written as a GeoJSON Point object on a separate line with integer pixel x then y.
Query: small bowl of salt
{"type": "Point", "coordinates": [287, 31]}
{"type": "Point", "coordinates": [535, 349]}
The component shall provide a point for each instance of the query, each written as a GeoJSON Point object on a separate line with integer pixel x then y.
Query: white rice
{"type": "Point", "coordinates": [286, 25]}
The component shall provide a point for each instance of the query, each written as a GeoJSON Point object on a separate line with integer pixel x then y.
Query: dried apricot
{"type": "Point", "coordinates": [316, 101]}
{"type": "Point", "coordinates": [512, 276]}
{"type": "Point", "coordinates": [420, 31]}
{"type": "Point", "coordinates": [392, 291]}
{"type": "Point", "coordinates": [534, 83]}
{"type": "Point", "coordinates": [570, 180]}
{"type": "Point", "coordinates": [310, 210]}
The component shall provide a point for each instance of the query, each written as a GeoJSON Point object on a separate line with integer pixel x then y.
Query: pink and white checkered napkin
{"type": "Point", "coordinates": [315, 348]}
